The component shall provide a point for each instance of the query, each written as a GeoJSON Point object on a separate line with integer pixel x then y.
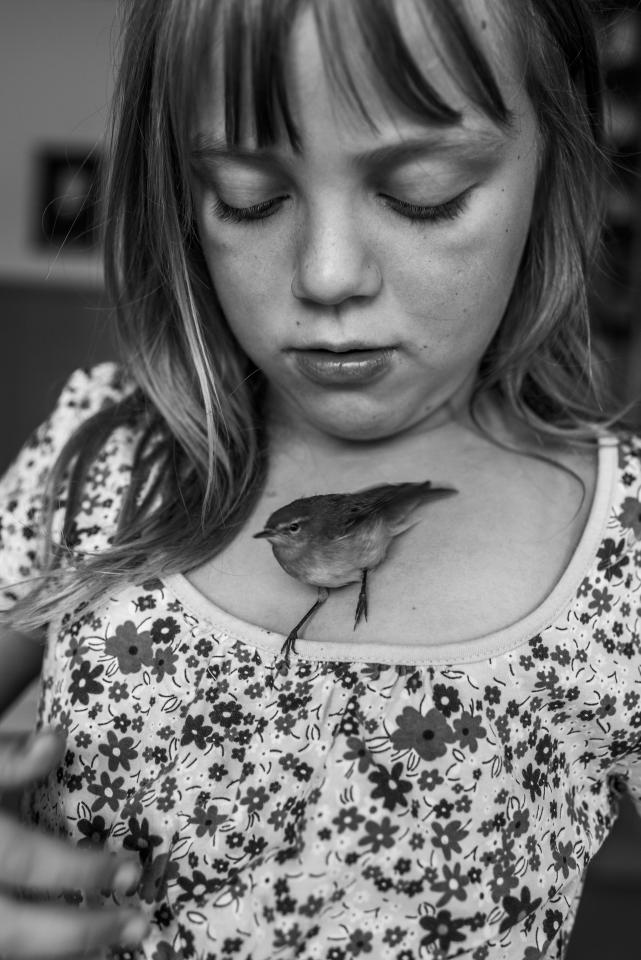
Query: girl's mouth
{"type": "Point", "coordinates": [343, 367]}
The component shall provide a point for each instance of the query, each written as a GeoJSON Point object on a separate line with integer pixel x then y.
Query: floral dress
{"type": "Point", "coordinates": [392, 801]}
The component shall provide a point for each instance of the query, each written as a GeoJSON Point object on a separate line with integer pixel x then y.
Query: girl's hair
{"type": "Point", "coordinates": [200, 460]}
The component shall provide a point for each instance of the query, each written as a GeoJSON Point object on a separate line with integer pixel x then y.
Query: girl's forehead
{"type": "Point", "coordinates": [412, 64]}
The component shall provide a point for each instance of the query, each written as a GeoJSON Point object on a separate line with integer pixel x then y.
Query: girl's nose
{"type": "Point", "coordinates": [333, 262]}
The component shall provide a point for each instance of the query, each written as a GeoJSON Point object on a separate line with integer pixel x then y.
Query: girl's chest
{"type": "Point", "coordinates": [472, 565]}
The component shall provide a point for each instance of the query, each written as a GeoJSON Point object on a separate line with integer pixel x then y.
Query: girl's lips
{"type": "Point", "coordinates": [345, 367]}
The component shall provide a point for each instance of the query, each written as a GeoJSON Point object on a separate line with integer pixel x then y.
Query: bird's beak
{"type": "Point", "coordinates": [263, 533]}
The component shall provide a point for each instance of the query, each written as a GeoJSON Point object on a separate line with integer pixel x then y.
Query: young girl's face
{"type": "Point", "coordinates": [367, 273]}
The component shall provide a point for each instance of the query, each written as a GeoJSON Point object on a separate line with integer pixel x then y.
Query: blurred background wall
{"type": "Point", "coordinates": [56, 77]}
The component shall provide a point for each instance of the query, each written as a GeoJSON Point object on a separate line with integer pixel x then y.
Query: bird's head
{"type": "Point", "coordinates": [286, 527]}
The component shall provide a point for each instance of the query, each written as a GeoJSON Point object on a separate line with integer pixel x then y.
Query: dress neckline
{"type": "Point", "coordinates": [467, 651]}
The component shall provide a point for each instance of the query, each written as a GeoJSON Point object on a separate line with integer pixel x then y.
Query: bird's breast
{"type": "Point", "coordinates": [326, 562]}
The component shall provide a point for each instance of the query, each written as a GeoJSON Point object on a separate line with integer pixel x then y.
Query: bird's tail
{"type": "Point", "coordinates": [398, 511]}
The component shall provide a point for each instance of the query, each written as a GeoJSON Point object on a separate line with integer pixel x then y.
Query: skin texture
{"type": "Point", "coordinates": [336, 260]}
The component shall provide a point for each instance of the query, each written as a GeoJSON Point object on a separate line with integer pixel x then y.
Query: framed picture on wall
{"type": "Point", "coordinates": [67, 198]}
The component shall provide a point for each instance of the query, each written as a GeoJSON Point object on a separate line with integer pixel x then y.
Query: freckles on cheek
{"type": "Point", "coordinates": [238, 276]}
{"type": "Point", "coordinates": [489, 264]}
{"type": "Point", "coordinates": [249, 290]}
{"type": "Point", "coordinates": [437, 291]}
{"type": "Point", "coordinates": [457, 301]}
{"type": "Point", "coordinates": [507, 229]}
{"type": "Point", "coordinates": [244, 266]}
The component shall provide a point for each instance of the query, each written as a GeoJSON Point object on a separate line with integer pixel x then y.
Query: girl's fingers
{"type": "Point", "coordinates": [36, 861]}
{"type": "Point", "coordinates": [31, 931]}
{"type": "Point", "coordinates": [24, 759]}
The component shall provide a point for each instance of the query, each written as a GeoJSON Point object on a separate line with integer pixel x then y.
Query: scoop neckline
{"type": "Point", "coordinates": [471, 650]}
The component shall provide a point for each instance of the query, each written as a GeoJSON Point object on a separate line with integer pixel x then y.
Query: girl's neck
{"type": "Point", "coordinates": [290, 434]}
{"type": "Point", "coordinates": [304, 462]}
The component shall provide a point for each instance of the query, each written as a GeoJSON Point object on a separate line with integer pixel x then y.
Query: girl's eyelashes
{"type": "Point", "coordinates": [449, 210]}
{"type": "Point", "coordinates": [256, 212]}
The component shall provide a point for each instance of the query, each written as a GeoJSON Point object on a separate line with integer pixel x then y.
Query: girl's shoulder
{"type": "Point", "coordinates": [85, 393]}
{"type": "Point", "coordinates": [89, 389]}
{"type": "Point", "coordinates": [25, 486]}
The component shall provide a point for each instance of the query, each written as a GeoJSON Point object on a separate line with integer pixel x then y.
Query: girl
{"type": "Point", "coordinates": [347, 243]}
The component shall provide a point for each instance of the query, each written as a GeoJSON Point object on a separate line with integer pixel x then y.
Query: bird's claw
{"type": "Point", "coordinates": [361, 611]}
{"type": "Point", "coordinates": [288, 647]}
{"type": "Point", "coordinates": [361, 604]}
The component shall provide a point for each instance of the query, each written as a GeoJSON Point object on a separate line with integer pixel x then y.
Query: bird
{"type": "Point", "coordinates": [332, 539]}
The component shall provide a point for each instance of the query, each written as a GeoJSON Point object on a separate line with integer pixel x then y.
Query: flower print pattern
{"type": "Point", "coordinates": [131, 648]}
{"type": "Point", "coordinates": [334, 809]}
{"type": "Point", "coordinates": [427, 735]}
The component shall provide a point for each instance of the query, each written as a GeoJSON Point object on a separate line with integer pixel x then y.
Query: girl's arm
{"type": "Point", "coordinates": [30, 858]}
{"type": "Point", "coordinates": [34, 860]}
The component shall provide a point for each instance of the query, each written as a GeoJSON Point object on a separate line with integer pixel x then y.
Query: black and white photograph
{"type": "Point", "coordinates": [320, 479]}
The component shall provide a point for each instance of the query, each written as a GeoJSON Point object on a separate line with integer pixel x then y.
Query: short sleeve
{"type": "Point", "coordinates": [633, 784]}
{"type": "Point", "coordinates": [22, 486]}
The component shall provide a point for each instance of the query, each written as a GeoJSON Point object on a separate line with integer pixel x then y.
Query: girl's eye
{"type": "Point", "coordinates": [410, 211]}
{"type": "Point", "coordinates": [449, 210]}
{"type": "Point", "coordinates": [259, 211]}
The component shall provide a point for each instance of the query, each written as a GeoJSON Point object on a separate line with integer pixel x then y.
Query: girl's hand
{"type": "Point", "coordinates": [35, 862]}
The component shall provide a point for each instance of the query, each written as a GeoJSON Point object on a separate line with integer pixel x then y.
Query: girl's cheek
{"type": "Point", "coordinates": [460, 291]}
{"type": "Point", "coordinates": [245, 253]}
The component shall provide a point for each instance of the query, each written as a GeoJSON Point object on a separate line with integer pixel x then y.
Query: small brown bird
{"type": "Point", "coordinates": [335, 538]}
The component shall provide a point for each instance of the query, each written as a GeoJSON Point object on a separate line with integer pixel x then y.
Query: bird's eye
{"type": "Point", "coordinates": [294, 527]}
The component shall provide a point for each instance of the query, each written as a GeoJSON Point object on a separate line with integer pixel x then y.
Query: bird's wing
{"type": "Point", "coordinates": [393, 500]}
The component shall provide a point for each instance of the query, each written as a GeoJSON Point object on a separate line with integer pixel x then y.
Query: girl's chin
{"type": "Point", "coordinates": [348, 424]}
{"type": "Point", "coordinates": [360, 416]}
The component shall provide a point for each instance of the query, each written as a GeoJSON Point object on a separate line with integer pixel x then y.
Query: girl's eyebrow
{"type": "Point", "coordinates": [462, 145]}
{"type": "Point", "coordinates": [205, 148]}
{"type": "Point", "coordinates": [466, 145]}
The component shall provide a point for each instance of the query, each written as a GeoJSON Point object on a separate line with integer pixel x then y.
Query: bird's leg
{"type": "Point", "coordinates": [288, 646]}
{"type": "Point", "coordinates": [361, 605]}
